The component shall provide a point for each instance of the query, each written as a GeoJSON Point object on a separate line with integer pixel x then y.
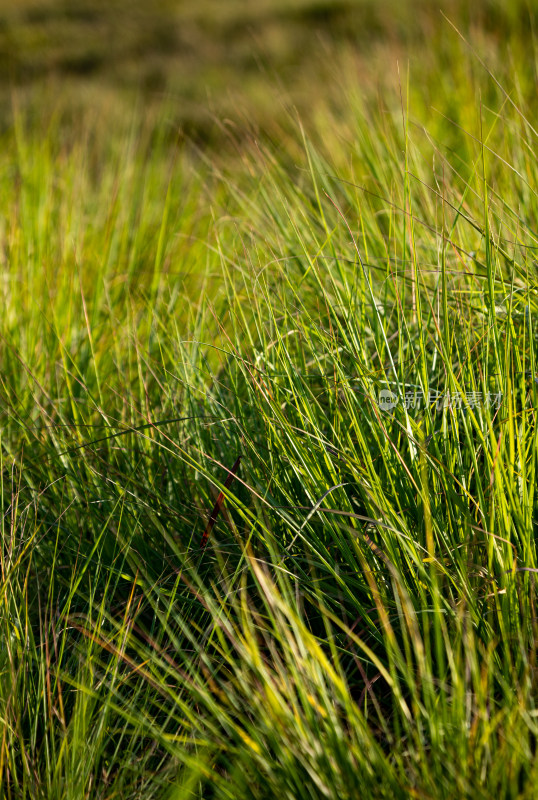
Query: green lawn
{"type": "Point", "coordinates": [268, 442]}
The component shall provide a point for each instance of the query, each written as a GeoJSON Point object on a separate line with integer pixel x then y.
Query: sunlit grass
{"type": "Point", "coordinates": [362, 617]}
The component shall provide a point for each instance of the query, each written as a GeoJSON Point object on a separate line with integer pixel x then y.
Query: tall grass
{"type": "Point", "coordinates": [362, 617]}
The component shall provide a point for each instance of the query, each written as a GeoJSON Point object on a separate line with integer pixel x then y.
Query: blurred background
{"type": "Point", "coordinates": [231, 62]}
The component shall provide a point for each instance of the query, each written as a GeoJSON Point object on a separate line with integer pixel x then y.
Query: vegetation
{"type": "Point", "coordinates": [268, 442]}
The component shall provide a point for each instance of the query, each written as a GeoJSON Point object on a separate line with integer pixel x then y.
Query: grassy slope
{"type": "Point", "coordinates": [363, 619]}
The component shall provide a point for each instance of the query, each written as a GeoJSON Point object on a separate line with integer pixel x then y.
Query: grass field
{"type": "Point", "coordinates": [268, 440]}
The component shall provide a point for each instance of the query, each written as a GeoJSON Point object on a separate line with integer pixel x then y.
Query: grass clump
{"type": "Point", "coordinates": [268, 446]}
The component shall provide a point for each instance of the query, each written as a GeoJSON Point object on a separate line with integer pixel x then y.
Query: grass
{"type": "Point", "coordinates": [361, 619]}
